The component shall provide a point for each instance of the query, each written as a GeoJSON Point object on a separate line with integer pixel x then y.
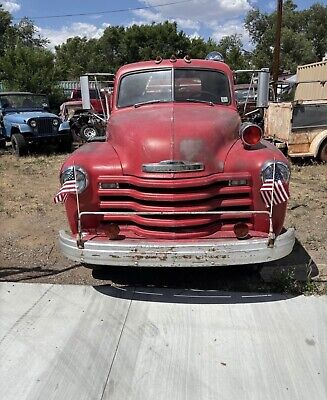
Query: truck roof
{"type": "Point", "coordinates": [178, 63]}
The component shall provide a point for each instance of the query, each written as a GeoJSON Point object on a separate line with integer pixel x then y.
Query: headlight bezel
{"type": "Point", "coordinates": [255, 138]}
{"type": "Point", "coordinates": [282, 169]}
{"type": "Point", "coordinates": [79, 173]}
{"type": "Point", "coordinates": [32, 123]}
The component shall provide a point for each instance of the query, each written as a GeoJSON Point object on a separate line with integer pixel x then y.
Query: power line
{"type": "Point", "coordinates": [109, 11]}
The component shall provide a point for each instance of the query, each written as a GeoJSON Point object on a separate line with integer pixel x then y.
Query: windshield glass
{"type": "Point", "coordinates": [158, 86]}
{"type": "Point", "coordinates": [23, 101]}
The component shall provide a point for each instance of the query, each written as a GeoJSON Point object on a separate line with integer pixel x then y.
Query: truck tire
{"type": "Point", "coordinates": [19, 145]}
{"type": "Point", "coordinates": [3, 144]}
{"type": "Point", "coordinates": [88, 132]}
{"type": "Point", "coordinates": [323, 151]}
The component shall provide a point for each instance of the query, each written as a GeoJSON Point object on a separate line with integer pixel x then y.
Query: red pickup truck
{"type": "Point", "coordinates": [179, 181]}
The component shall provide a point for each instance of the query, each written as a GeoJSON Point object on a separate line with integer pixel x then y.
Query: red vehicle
{"type": "Point", "coordinates": [179, 180]}
{"type": "Point", "coordinates": [97, 105]}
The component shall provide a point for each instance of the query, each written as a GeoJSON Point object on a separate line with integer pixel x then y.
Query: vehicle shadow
{"type": "Point", "coordinates": [298, 264]}
{"type": "Point", "coordinates": [188, 296]}
{"type": "Point", "coordinates": [221, 285]}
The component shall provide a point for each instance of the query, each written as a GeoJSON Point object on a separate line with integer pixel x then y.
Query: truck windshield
{"type": "Point", "coordinates": [180, 85]}
{"type": "Point", "coordinates": [19, 101]}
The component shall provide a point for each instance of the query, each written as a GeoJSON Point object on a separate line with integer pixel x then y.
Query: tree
{"type": "Point", "coordinates": [28, 69]}
{"type": "Point", "coordinates": [231, 47]}
{"type": "Point", "coordinates": [301, 43]}
{"type": "Point", "coordinates": [78, 56]}
{"type": "Point", "coordinates": [315, 21]}
{"type": "Point", "coordinates": [26, 34]}
{"type": "Point", "coordinates": [142, 42]}
{"type": "Point", "coordinates": [119, 45]}
{"type": "Point", "coordinates": [5, 28]}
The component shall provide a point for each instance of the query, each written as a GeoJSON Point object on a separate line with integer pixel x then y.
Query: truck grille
{"type": "Point", "coordinates": [45, 126]}
{"type": "Point", "coordinates": [202, 194]}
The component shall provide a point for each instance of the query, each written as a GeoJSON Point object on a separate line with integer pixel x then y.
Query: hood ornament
{"type": "Point", "coordinates": [173, 166]}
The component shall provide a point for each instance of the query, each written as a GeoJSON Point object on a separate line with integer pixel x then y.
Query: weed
{"type": "Point", "coordinates": [285, 281]}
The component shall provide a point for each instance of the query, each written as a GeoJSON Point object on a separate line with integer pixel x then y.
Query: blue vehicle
{"type": "Point", "coordinates": [25, 121]}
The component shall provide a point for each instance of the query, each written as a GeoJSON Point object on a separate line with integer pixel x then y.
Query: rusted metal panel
{"type": "Point", "coordinates": [278, 121]}
{"type": "Point", "coordinates": [298, 149]}
{"type": "Point", "coordinates": [311, 82]}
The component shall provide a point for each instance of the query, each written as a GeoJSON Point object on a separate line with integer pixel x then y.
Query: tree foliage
{"type": "Point", "coordinates": [5, 28]}
{"type": "Point", "coordinates": [303, 36]}
{"type": "Point", "coordinates": [28, 69]}
{"type": "Point", "coordinates": [119, 45]}
{"type": "Point", "coordinates": [231, 48]}
{"type": "Point", "coordinates": [26, 64]}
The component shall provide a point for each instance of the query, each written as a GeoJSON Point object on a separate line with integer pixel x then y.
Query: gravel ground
{"type": "Point", "coordinates": [30, 223]}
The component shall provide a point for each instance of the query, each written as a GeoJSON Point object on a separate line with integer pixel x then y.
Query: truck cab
{"type": "Point", "coordinates": [178, 180]}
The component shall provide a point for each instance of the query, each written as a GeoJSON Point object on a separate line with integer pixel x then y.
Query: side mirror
{"type": "Point", "coordinates": [263, 88]}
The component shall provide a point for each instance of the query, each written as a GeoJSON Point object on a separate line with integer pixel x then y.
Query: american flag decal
{"type": "Point", "coordinates": [68, 187]}
{"type": "Point", "coordinates": [280, 193]}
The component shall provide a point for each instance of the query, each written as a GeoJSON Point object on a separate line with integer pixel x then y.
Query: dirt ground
{"type": "Point", "coordinates": [30, 222]}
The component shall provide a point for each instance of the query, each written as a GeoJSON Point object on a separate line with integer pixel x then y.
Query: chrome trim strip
{"type": "Point", "coordinates": [173, 166]}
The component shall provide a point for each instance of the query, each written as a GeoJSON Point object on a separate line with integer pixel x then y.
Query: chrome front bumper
{"type": "Point", "coordinates": [202, 253]}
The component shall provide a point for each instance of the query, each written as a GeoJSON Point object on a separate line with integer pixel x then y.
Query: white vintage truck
{"type": "Point", "coordinates": [301, 126]}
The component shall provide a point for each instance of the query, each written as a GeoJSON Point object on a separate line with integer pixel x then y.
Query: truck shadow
{"type": "Point", "coordinates": [230, 284]}
{"type": "Point", "coordinates": [189, 296]}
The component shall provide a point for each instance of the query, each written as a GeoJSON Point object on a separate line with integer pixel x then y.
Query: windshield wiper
{"type": "Point", "coordinates": [136, 105]}
{"type": "Point", "coordinates": [210, 103]}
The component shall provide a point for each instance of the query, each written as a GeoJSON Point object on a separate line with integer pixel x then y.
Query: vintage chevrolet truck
{"type": "Point", "coordinates": [179, 180]}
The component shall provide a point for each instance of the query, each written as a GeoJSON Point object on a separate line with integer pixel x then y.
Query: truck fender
{"type": "Point", "coordinates": [316, 143]}
{"type": "Point", "coordinates": [20, 128]}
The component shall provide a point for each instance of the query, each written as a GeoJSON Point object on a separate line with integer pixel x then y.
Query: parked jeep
{"type": "Point", "coordinates": [25, 121]}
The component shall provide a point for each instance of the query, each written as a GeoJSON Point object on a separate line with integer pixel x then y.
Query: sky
{"type": "Point", "coordinates": [197, 18]}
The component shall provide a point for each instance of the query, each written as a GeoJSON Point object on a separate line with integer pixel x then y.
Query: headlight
{"type": "Point", "coordinates": [80, 174]}
{"type": "Point", "coordinates": [33, 123]}
{"type": "Point", "coordinates": [282, 172]}
{"type": "Point", "coordinates": [55, 122]}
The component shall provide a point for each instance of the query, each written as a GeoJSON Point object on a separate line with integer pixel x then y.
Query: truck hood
{"type": "Point", "coordinates": [197, 133]}
{"type": "Point", "coordinates": [24, 116]}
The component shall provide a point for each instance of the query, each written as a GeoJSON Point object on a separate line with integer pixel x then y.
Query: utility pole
{"type": "Point", "coordinates": [276, 62]}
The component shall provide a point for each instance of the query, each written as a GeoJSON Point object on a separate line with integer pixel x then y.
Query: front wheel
{"type": "Point", "coordinates": [323, 152]}
{"type": "Point", "coordinates": [2, 144]}
{"type": "Point", "coordinates": [19, 145]}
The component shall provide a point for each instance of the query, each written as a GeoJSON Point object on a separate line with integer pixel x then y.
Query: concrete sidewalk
{"type": "Point", "coordinates": [82, 342]}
